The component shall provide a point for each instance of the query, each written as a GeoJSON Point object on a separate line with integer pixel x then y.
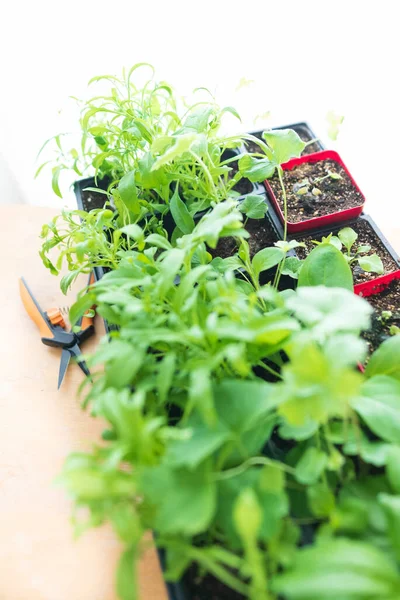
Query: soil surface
{"type": "Point", "coordinates": [310, 196]}
{"type": "Point", "coordinates": [262, 235]}
{"type": "Point", "coordinates": [366, 236]}
{"type": "Point", "coordinates": [207, 588]}
{"type": "Point", "coordinates": [91, 200]}
{"type": "Point", "coordinates": [302, 133]}
{"type": "Point", "coordinates": [244, 186]}
{"type": "Point", "coordinates": [388, 300]}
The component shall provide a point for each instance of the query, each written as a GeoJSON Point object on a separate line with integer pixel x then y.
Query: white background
{"type": "Point", "coordinates": [304, 56]}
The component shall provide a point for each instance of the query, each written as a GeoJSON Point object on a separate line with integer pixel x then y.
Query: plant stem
{"type": "Point", "coordinates": [256, 461]}
{"type": "Point", "coordinates": [279, 169]}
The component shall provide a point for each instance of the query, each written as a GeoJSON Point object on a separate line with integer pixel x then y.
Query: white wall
{"type": "Point", "coordinates": [305, 57]}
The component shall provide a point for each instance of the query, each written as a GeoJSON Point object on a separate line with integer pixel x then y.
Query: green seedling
{"type": "Point", "coordinates": [345, 241]}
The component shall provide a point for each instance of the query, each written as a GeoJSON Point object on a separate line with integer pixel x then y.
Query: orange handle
{"type": "Point", "coordinates": [33, 310]}
{"type": "Point", "coordinates": [86, 320]}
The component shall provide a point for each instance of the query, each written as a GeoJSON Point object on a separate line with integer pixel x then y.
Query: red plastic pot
{"type": "Point", "coordinates": [326, 220]}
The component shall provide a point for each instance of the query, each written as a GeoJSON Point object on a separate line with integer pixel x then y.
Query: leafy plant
{"type": "Point", "coordinates": [239, 427]}
{"type": "Point", "coordinates": [345, 241]}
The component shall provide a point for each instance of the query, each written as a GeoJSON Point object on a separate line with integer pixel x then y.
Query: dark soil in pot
{"type": "Point", "coordinates": [366, 236]}
{"type": "Point", "coordinates": [262, 235]}
{"type": "Point", "coordinates": [207, 587]}
{"type": "Point", "coordinates": [387, 300]}
{"type": "Point", "coordinates": [243, 186]}
{"type": "Point", "coordinates": [308, 196]}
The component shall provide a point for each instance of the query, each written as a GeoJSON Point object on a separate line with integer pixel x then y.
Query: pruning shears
{"type": "Point", "coordinates": [53, 332]}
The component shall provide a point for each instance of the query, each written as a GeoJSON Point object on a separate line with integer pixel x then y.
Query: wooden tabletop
{"type": "Point", "coordinates": [39, 426]}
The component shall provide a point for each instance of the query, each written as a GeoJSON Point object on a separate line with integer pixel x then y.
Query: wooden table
{"type": "Point", "coordinates": [39, 426]}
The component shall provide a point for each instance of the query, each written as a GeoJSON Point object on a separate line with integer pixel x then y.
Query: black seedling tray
{"type": "Point", "coordinates": [88, 201]}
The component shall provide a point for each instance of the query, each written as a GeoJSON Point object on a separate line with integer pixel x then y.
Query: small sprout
{"type": "Point", "coordinates": [316, 192]}
{"type": "Point", "coordinates": [386, 315]}
{"type": "Point", "coordinates": [394, 330]}
{"type": "Point", "coordinates": [301, 187]}
{"type": "Point", "coordinates": [334, 175]}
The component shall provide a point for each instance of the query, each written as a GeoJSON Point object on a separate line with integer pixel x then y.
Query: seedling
{"type": "Point", "coordinates": [345, 241]}
{"type": "Point", "coordinates": [309, 184]}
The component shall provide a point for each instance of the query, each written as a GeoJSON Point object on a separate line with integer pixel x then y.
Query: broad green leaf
{"type": "Point", "coordinates": [339, 569]}
{"type": "Point", "coordinates": [386, 359]}
{"type": "Point", "coordinates": [326, 265]}
{"type": "Point", "coordinates": [253, 206]}
{"type": "Point", "coordinates": [379, 406]}
{"type": "Point", "coordinates": [199, 443]}
{"type": "Point", "coordinates": [371, 263]}
{"type": "Point", "coordinates": [188, 498]}
{"type": "Point", "coordinates": [201, 394]}
{"type": "Point", "coordinates": [82, 304]}
{"type": "Point", "coordinates": [393, 468]}
{"type": "Point", "coordinates": [348, 237]}
{"type": "Point", "coordinates": [241, 404]}
{"type": "Point", "coordinates": [180, 213]}
{"type": "Point", "coordinates": [247, 515]}
{"type": "Point", "coordinates": [266, 259]}
{"type": "Point", "coordinates": [128, 192]}
{"type": "Point", "coordinates": [285, 143]}
{"type": "Point", "coordinates": [327, 311]}
{"type": "Point", "coordinates": [320, 499]}
{"type": "Point", "coordinates": [256, 169]}
{"type": "Point", "coordinates": [311, 466]}
{"type": "Point", "coordinates": [133, 231]}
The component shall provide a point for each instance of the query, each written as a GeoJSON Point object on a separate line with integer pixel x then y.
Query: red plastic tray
{"type": "Point", "coordinates": [338, 217]}
{"type": "Point", "coordinates": [375, 286]}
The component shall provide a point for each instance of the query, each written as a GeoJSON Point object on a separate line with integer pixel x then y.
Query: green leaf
{"type": "Point", "coordinates": [393, 468]}
{"type": "Point", "coordinates": [253, 206]}
{"type": "Point", "coordinates": [339, 569]}
{"type": "Point", "coordinates": [240, 404]}
{"type": "Point", "coordinates": [321, 500]}
{"type": "Point", "coordinates": [155, 239]}
{"type": "Point", "coordinates": [247, 515]}
{"type": "Point", "coordinates": [391, 506]}
{"type": "Point", "coordinates": [371, 263]}
{"type": "Point", "coordinates": [311, 466]}
{"type": "Point", "coordinates": [81, 305]}
{"type": "Point", "coordinates": [266, 259]}
{"type": "Point", "coordinates": [285, 143]}
{"type": "Point", "coordinates": [126, 579]}
{"type": "Point", "coordinates": [54, 181]}
{"type": "Point", "coordinates": [128, 192]}
{"type": "Point", "coordinates": [326, 265]}
{"type": "Point", "coordinates": [180, 144]}
{"type": "Point", "coordinates": [188, 498]}
{"type": "Point", "coordinates": [379, 406]}
{"type": "Point", "coordinates": [292, 266]}
{"type": "Point", "coordinates": [386, 359]}
{"type": "Point", "coordinates": [180, 213]}
{"type": "Point", "coordinates": [348, 237]}
{"type": "Point", "coordinates": [256, 169]}
{"type": "Point", "coordinates": [200, 442]}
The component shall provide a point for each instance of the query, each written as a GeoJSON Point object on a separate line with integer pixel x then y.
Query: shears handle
{"type": "Point", "coordinates": [34, 311]}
